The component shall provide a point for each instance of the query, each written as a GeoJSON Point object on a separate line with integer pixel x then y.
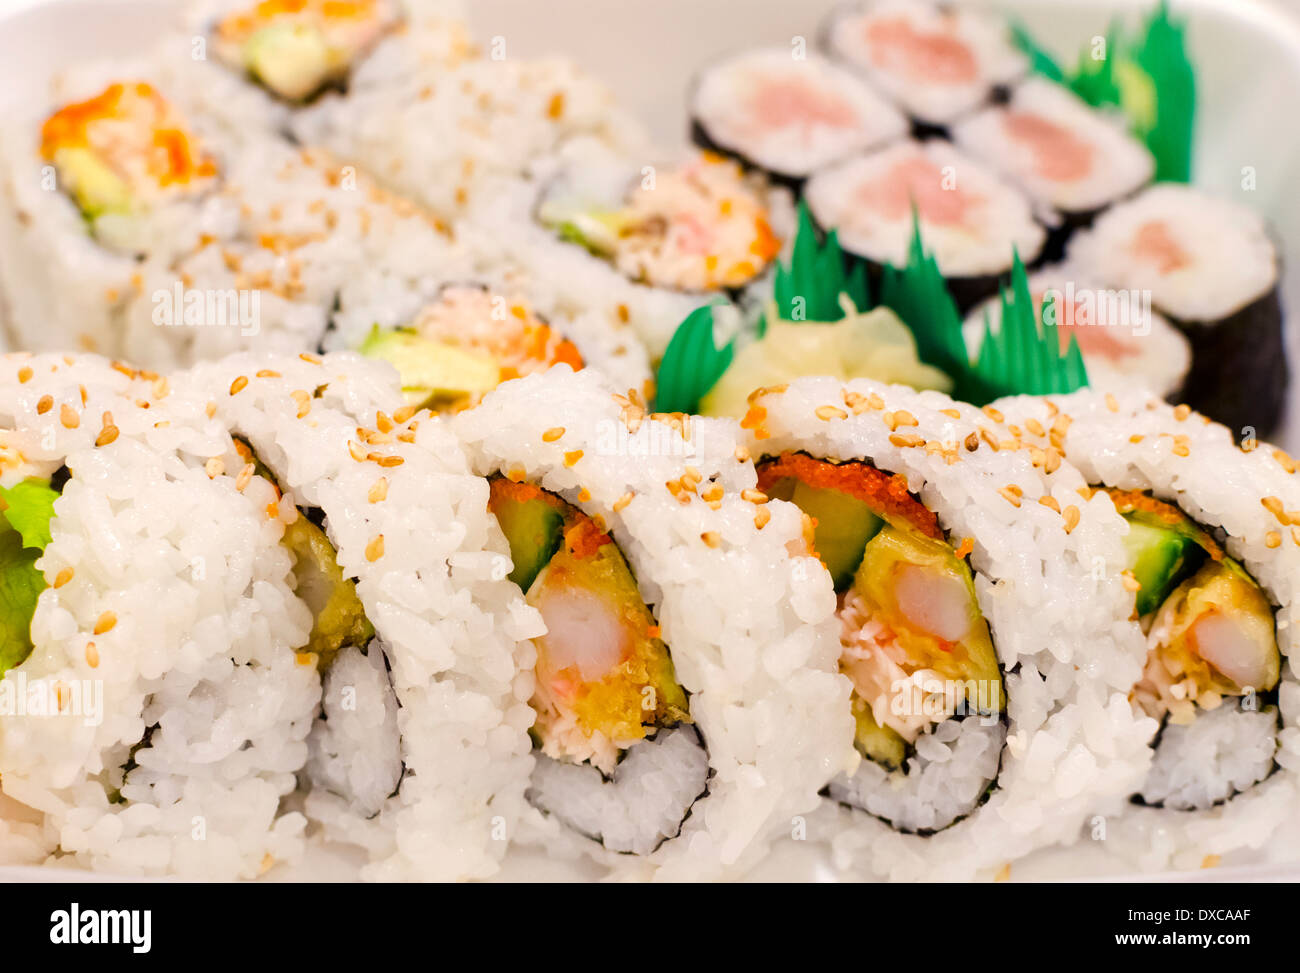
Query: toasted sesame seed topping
{"type": "Point", "coordinates": [382, 422]}
{"type": "Point", "coordinates": [92, 655]}
{"type": "Point", "coordinates": [1011, 494]}
{"type": "Point", "coordinates": [571, 458]}
{"type": "Point", "coordinates": [245, 476]}
{"type": "Point", "coordinates": [375, 549]}
{"type": "Point", "coordinates": [741, 454]}
{"type": "Point", "coordinates": [44, 405]}
{"type": "Point", "coordinates": [268, 373]}
{"type": "Point", "coordinates": [68, 416]}
{"type": "Point", "coordinates": [972, 443]}
{"type": "Point", "coordinates": [993, 413]}
{"type": "Point", "coordinates": [1049, 502]}
{"type": "Point", "coordinates": [108, 433]}
{"type": "Point", "coordinates": [1071, 515]}
{"type": "Point", "coordinates": [1112, 403]}
{"type": "Point", "coordinates": [214, 467]}
{"type": "Point", "coordinates": [950, 413]}
{"type": "Point", "coordinates": [906, 441]}
{"type": "Point", "coordinates": [761, 516]}
{"type": "Point", "coordinates": [387, 462]}
{"type": "Point", "coordinates": [63, 577]}
{"type": "Point", "coordinates": [1284, 461]}
{"type": "Point", "coordinates": [1136, 438]}
{"type": "Point", "coordinates": [211, 410]}
{"type": "Point", "coordinates": [105, 623]}
{"type": "Point", "coordinates": [1272, 539]}
{"type": "Point", "coordinates": [378, 490]}
{"type": "Point", "coordinates": [238, 385]}
{"type": "Point", "coordinates": [309, 358]}
{"type": "Point", "coordinates": [622, 502]}
{"type": "Point", "coordinates": [753, 496]}
{"type": "Point", "coordinates": [711, 538]}
{"type": "Point", "coordinates": [552, 434]}
{"type": "Point", "coordinates": [1035, 427]}
{"type": "Point", "coordinates": [1181, 412]}
{"type": "Point", "coordinates": [25, 375]}
{"type": "Point", "coordinates": [356, 451]}
{"type": "Point", "coordinates": [404, 414]}
{"type": "Point", "coordinates": [828, 412]}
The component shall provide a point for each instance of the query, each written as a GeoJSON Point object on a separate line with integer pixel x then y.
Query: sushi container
{"type": "Point", "coordinates": [1241, 154]}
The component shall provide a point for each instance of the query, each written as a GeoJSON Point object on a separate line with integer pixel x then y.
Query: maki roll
{"type": "Point", "coordinates": [469, 340]}
{"type": "Point", "coordinates": [420, 755]}
{"type": "Point", "coordinates": [1070, 159]}
{"type": "Point", "coordinates": [116, 171]}
{"type": "Point", "coordinates": [988, 674]}
{"type": "Point", "coordinates": [1211, 267]}
{"type": "Point", "coordinates": [157, 702]}
{"type": "Point", "coordinates": [788, 116]}
{"type": "Point", "coordinates": [939, 63]}
{"type": "Point", "coordinates": [683, 627]}
{"type": "Point", "coordinates": [1123, 341]}
{"type": "Point", "coordinates": [699, 226]}
{"type": "Point", "coordinates": [295, 49]}
{"type": "Point", "coordinates": [972, 221]}
{"type": "Point", "coordinates": [1212, 559]}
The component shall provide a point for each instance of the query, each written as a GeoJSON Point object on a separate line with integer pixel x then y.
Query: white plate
{"type": "Point", "coordinates": [1247, 54]}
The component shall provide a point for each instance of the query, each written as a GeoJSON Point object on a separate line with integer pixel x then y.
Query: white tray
{"type": "Point", "coordinates": [1247, 54]}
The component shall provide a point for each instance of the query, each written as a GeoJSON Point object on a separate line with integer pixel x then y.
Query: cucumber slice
{"type": "Point", "coordinates": [875, 742]}
{"type": "Point", "coordinates": [1160, 558]}
{"type": "Point", "coordinates": [534, 529]}
{"type": "Point", "coordinates": [844, 525]}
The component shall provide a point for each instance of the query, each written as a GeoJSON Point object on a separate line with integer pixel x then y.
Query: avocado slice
{"type": "Point", "coordinates": [95, 187]}
{"type": "Point", "coordinates": [433, 374]}
{"type": "Point", "coordinates": [340, 618]}
{"type": "Point", "coordinates": [1160, 558]}
{"type": "Point", "coordinates": [534, 528]}
{"type": "Point", "coordinates": [293, 60]}
{"type": "Point", "coordinates": [844, 526]}
{"type": "Point", "coordinates": [875, 742]}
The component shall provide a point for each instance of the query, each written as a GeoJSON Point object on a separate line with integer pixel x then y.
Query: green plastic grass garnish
{"type": "Point", "coordinates": [809, 287]}
{"type": "Point", "coordinates": [1023, 357]}
{"type": "Point", "coordinates": [1150, 79]}
{"type": "Point", "coordinates": [918, 294]}
{"type": "Point", "coordinates": [692, 363]}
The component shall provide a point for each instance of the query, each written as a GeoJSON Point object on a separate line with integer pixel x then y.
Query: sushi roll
{"type": "Point", "coordinates": [698, 226]}
{"type": "Point", "coordinates": [1070, 159]}
{"type": "Point", "coordinates": [156, 702]}
{"type": "Point", "coordinates": [1211, 267]}
{"type": "Point", "coordinates": [972, 221]}
{"type": "Point", "coordinates": [115, 171]}
{"type": "Point", "coordinates": [295, 49]}
{"type": "Point", "coordinates": [987, 667]}
{"type": "Point", "coordinates": [1211, 568]}
{"type": "Point", "coordinates": [939, 63]}
{"type": "Point", "coordinates": [469, 340]}
{"type": "Point", "coordinates": [421, 755]}
{"type": "Point", "coordinates": [788, 116]}
{"type": "Point", "coordinates": [1123, 341]}
{"type": "Point", "coordinates": [686, 702]}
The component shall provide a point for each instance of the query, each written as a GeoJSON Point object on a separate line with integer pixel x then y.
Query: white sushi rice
{"type": "Point", "coordinates": [1061, 152]}
{"type": "Point", "coordinates": [749, 626]}
{"type": "Point", "coordinates": [997, 219]}
{"type": "Point", "coordinates": [170, 607]}
{"type": "Point", "coordinates": [733, 106]}
{"type": "Point", "coordinates": [1222, 752]}
{"type": "Point", "coordinates": [430, 564]}
{"type": "Point", "coordinates": [1051, 599]}
{"type": "Point", "coordinates": [1123, 341]}
{"type": "Point", "coordinates": [1132, 441]}
{"type": "Point", "coordinates": [1223, 257]}
{"type": "Point", "coordinates": [929, 89]}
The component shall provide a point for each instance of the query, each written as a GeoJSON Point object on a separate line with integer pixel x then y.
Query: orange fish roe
{"type": "Point", "coordinates": [1134, 501]}
{"type": "Point", "coordinates": [584, 538]}
{"type": "Point", "coordinates": [882, 492]}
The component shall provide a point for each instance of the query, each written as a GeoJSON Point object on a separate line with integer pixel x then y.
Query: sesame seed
{"type": "Point", "coordinates": [1112, 403]}
{"type": "Point", "coordinates": [1071, 516]}
{"type": "Point", "coordinates": [45, 405]}
{"type": "Point", "coordinates": [303, 659]}
{"type": "Point", "coordinates": [1136, 438]}
{"type": "Point", "coordinates": [552, 434]}
{"type": "Point", "coordinates": [109, 433]}
{"type": "Point", "coordinates": [741, 454]}
{"type": "Point", "coordinates": [238, 385]}
{"type": "Point", "coordinates": [387, 462]}
{"type": "Point", "coordinates": [25, 375]}
{"type": "Point", "coordinates": [92, 655]}
{"type": "Point", "coordinates": [1180, 449]}
{"type": "Point", "coordinates": [571, 458]}
{"type": "Point", "coordinates": [214, 467]}
{"type": "Point", "coordinates": [211, 409]}
{"type": "Point", "coordinates": [355, 451]}
{"type": "Point", "coordinates": [584, 495]}
{"type": "Point", "coordinates": [711, 538]}
{"type": "Point", "coordinates": [761, 517]}
{"type": "Point", "coordinates": [1050, 503]}
{"type": "Point", "coordinates": [375, 549]}
{"type": "Point", "coordinates": [1181, 412]}
{"type": "Point", "coordinates": [1284, 461]}
{"type": "Point", "coordinates": [1035, 427]}
{"type": "Point", "coordinates": [993, 413]}
{"type": "Point", "coordinates": [754, 496]}
{"type": "Point", "coordinates": [1010, 494]}
{"type": "Point", "coordinates": [245, 476]}
{"type": "Point", "coordinates": [68, 416]}
{"type": "Point", "coordinates": [378, 490]}
{"type": "Point", "coordinates": [622, 502]}
{"type": "Point", "coordinates": [828, 412]}
{"type": "Point", "coordinates": [972, 443]}
{"type": "Point", "coordinates": [63, 577]}
{"type": "Point", "coordinates": [309, 359]}
{"type": "Point", "coordinates": [1272, 539]}
{"type": "Point", "coordinates": [105, 623]}
{"type": "Point", "coordinates": [268, 373]}
{"type": "Point", "coordinates": [906, 441]}
{"type": "Point", "coordinates": [383, 423]}
{"type": "Point", "coordinates": [950, 413]}
{"type": "Point", "coordinates": [404, 413]}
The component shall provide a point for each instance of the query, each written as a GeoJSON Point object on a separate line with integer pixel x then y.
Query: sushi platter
{"type": "Point", "coordinates": [541, 442]}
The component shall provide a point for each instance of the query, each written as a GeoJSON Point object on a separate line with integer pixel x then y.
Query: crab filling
{"type": "Point", "coordinates": [914, 643]}
{"type": "Point", "coordinates": [297, 48]}
{"type": "Point", "coordinates": [696, 227]}
{"type": "Point", "coordinates": [605, 680]}
{"type": "Point", "coordinates": [123, 151]}
{"type": "Point", "coordinates": [464, 345]}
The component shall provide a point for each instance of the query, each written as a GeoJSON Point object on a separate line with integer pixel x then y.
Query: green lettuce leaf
{"type": "Point", "coordinates": [26, 510]}
{"type": "Point", "coordinates": [29, 507]}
